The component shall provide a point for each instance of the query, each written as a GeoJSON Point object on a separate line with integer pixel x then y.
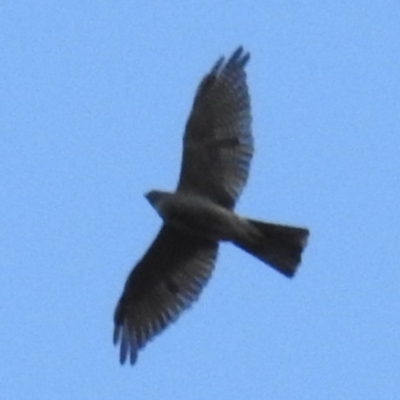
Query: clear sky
{"type": "Point", "coordinates": [94, 98]}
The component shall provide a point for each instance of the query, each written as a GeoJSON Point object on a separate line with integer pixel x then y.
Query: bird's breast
{"type": "Point", "coordinates": [200, 217]}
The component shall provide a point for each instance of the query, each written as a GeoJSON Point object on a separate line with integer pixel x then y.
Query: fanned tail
{"type": "Point", "coordinates": [279, 246]}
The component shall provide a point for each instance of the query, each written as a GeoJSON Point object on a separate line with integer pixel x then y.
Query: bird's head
{"type": "Point", "coordinates": [155, 198]}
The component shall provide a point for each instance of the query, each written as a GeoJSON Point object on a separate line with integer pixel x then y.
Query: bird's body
{"type": "Point", "coordinates": [197, 215]}
{"type": "Point", "coordinates": [218, 148]}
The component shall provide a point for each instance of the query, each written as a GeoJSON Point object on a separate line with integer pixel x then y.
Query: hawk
{"type": "Point", "coordinates": [217, 150]}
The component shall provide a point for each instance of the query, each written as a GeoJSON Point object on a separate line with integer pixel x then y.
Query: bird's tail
{"type": "Point", "coordinates": [279, 246]}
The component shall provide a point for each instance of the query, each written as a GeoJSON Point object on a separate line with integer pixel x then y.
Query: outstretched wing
{"type": "Point", "coordinates": [218, 143]}
{"type": "Point", "coordinates": [167, 280]}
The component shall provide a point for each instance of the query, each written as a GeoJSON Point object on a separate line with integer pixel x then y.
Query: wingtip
{"type": "Point", "coordinates": [239, 57]}
{"type": "Point", "coordinates": [127, 342]}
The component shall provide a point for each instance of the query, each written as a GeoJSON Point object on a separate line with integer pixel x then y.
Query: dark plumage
{"type": "Point", "coordinates": [218, 148]}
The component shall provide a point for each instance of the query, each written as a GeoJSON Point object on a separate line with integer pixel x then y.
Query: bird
{"type": "Point", "coordinates": [218, 148]}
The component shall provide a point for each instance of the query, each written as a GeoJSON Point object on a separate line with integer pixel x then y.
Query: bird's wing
{"type": "Point", "coordinates": [218, 143]}
{"type": "Point", "coordinates": [167, 280]}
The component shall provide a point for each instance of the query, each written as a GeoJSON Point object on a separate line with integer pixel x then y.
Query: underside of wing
{"type": "Point", "coordinates": [167, 280]}
{"type": "Point", "coordinates": [218, 142]}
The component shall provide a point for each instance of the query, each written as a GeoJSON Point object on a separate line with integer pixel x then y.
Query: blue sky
{"type": "Point", "coordinates": [94, 98]}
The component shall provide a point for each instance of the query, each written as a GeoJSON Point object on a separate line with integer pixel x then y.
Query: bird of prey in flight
{"type": "Point", "coordinates": [217, 150]}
